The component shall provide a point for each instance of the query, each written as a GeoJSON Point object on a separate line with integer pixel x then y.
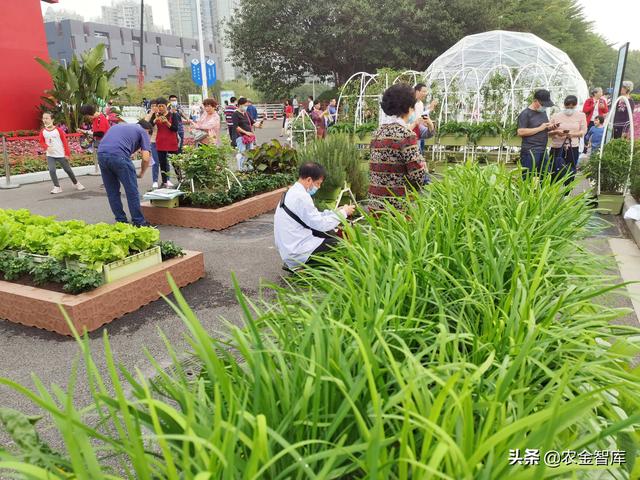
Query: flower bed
{"type": "Point", "coordinates": [214, 218]}
{"type": "Point", "coordinates": [222, 198]}
{"type": "Point", "coordinates": [31, 164]}
{"type": "Point", "coordinates": [69, 256]}
{"type": "Point", "coordinates": [40, 307]}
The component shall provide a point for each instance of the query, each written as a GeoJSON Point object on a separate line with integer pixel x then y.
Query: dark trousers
{"type": "Point", "coordinates": [536, 160]}
{"type": "Point", "coordinates": [165, 165]}
{"type": "Point", "coordinates": [327, 245]}
{"type": "Point", "coordinates": [565, 163]}
{"type": "Point", "coordinates": [64, 163]}
{"type": "Point", "coordinates": [180, 141]}
{"type": "Point", "coordinates": [117, 170]}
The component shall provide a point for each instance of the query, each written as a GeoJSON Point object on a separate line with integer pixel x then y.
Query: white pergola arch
{"type": "Point", "coordinates": [524, 59]}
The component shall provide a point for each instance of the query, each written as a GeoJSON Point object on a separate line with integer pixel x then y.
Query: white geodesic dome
{"type": "Point", "coordinates": [524, 63]}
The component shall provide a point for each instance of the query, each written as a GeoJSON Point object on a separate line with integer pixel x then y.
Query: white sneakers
{"type": "Point", "coordinates": [155, 185]}
{"type": "Point", "coordinates": [169, 184]}
{"type": "Point", "coordinates": [78, 187]}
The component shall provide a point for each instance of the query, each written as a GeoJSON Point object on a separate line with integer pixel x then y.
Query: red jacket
{"type": "Point", "coordinates": [63, 137]}
{"type": "Point", "coordinates": [167, 137]}
{"type": "Point", "coordinates": [99, 126]}
{"type": "Point", "coordinates": [589, 106]}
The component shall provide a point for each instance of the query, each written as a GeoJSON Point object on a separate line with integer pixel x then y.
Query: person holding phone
{"type": "Point", "coordinates": [570, 126]}
{"type": "Point", "coordinates": [534, 128]}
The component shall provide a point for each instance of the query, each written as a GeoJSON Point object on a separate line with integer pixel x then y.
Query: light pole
{"type": "Point", "coordinates": [203, 68]}
{"type": "Point", "coordinates": [141, 72]}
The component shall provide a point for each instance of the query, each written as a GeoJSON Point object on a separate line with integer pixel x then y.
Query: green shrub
{"type": "Point", "coordinates": [613, 167]}
{"type": "Point", "coordinates": [207, 166]}
{"type": "Point", "coordinates": [341, 158]}
{"type": "Point", "coordinates": [273, 157]}
{"type": "Point", "coordinates": [429, 345]}
{"type": "Point", "coordinates": [250, 185]}
{"type": "Point", "coordinates": [170, 250]}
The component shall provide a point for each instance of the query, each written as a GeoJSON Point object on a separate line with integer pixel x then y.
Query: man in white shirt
{"type": "Point", "coordinates": [300, 229]}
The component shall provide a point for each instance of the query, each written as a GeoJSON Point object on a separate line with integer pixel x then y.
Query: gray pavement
{"type": "Point", "coordinates": [246, 249]}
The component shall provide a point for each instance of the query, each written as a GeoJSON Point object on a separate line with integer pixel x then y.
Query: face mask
{"type": "Point", "coordinates": [569, 111]}
{"type": "Point", "coordinates": [541, 109]}
{"type": "Point", "coordinates": [313, 190]}
{"type": "Point", "coordinates": [412, 118]}
{"type": "Point", "coordinates": [175, 104]}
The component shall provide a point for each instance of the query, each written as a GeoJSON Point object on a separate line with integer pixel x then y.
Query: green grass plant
{"type": "Point", "coordinates": [433, 342]}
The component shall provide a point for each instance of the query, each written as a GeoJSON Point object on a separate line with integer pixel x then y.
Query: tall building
{"type": "Point", "coordinates": [56, 15]}
{"type": "Point", "coordinates": [163, 53]}
{"type": "Point", "coordinates": [215, 16]}
{"type": "Point", "coordinates": [126, 13]}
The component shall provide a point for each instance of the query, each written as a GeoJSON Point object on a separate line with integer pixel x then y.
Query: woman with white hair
{"type": "Point", "coordinates": [595, 105]}
{"type": "Point", "coordinates": [623, 118]}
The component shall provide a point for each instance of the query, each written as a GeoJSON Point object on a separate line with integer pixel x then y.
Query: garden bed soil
{"type": "Point", "coordinates": [39, 307]}
{"type": "Point", "coordinates": [213, 218]}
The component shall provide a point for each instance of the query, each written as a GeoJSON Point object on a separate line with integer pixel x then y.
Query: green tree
{"type": "Point", "coordinates": [181, 85]}
{"type": "Point", "coordinates": [83, 80]}
{"type": "Point", "coordinates": [338, 39]}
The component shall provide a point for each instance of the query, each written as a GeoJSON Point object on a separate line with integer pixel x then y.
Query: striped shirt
{"type": "Point", "coordinates": [228, 113]}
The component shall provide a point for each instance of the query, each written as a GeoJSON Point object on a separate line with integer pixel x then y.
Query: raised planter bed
{"type": "Point", "coordinates": [37, 307]}
{"type": "Point", "coordinates": [453, 140]}
{"type": "Point", "coordinates": [213, 219]}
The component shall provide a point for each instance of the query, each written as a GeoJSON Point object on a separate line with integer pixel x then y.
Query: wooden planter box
{"type": "Point", "coordinates": [210, 218]}
{"type": "Point", "coordinates": [489, 142]}
{"type": "Point", "coordinates": [513, 142]}
{"type": "Point", "coordinates": [36, 307]}
{"type": "Point", "coordinates": [453, 140]}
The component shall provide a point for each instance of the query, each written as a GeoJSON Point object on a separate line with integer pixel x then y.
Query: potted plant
{"type": "Point", "coordinates": [611, 171]}
{"type": "Point", "coordinates": [342, 160]}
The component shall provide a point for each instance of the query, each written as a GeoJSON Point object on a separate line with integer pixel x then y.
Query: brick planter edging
{"type": "Point", "coordinates": [633, 225]}
{"type": "Point", "coordinates": [36, 307]}
{"type": "Point", "coordinates": [213, 218]}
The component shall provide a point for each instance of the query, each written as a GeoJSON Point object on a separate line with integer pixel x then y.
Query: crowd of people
{"type": "Point", "coordinates": [322, 114]}
{"type": "Point", "coordinates": [397, 166]}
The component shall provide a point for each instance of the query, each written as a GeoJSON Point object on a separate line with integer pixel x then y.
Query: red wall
{"type": "Point", "coordinates": [22, 79]}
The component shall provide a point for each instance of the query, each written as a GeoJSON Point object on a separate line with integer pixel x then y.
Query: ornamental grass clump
{"type": "Point", "coordinates": [432, 344]}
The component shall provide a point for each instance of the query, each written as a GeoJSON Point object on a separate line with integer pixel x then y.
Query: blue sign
{"type": "Point", "coordinates": [196, 72]}
{"type": "Point", "coordinates": [212, 75]}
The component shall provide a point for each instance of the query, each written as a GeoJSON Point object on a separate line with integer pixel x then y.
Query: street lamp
{"type": "Point", "coordinates": [141, 71]}
{"type": "Point", "coordinates": [203, 69]}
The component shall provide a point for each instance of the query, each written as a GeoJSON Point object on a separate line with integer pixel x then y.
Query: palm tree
{"type": "Point", "coordinates": [81, 81]}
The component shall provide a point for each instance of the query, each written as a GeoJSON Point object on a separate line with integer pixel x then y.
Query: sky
{"type": "Point", "coordinates": [617, 20]}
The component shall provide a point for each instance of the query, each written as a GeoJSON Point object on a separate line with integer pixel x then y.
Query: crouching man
{"type": "Point", "coordinates": [301, 230]}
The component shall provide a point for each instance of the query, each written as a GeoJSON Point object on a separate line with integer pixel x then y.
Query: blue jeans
{"type": "Point", "coordinates": [116, 170]}
{"type": "Point", "coordinates": [242, 148]}
{"type": "Point", "coordinates": [155, 169]}
{"type": "Point", "coordinates": [537, 160]}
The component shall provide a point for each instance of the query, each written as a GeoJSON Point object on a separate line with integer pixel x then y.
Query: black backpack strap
{"type": "Point", "coordinates": [316, 233]}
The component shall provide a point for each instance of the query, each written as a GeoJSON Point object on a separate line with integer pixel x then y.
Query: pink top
{"type": "Point", "coordinates": [575, 123]}
{"type": "Point", "coordinates": [210, 123]}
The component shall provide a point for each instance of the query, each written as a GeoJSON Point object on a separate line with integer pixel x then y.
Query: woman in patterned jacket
{"type": "Point", "coordinates": [396, 166]}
